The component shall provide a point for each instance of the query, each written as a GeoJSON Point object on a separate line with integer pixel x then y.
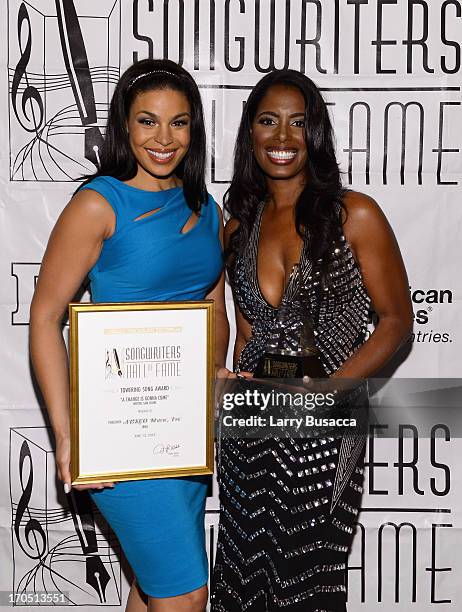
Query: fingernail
{"type": "Point", "coordinates": [67, 488]}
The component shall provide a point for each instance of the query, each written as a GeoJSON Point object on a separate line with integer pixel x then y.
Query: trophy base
{"type": "Point", "coordinates": [280, 365]}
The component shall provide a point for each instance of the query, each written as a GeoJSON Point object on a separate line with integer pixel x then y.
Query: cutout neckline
{"type": "Point", "coordinates": [148, 214]}
{"type": "Point", "coordinates": [191, 216]}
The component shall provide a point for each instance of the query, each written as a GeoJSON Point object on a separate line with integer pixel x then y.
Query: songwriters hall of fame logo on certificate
{"type": "Point", "coordinates": [63, 62]}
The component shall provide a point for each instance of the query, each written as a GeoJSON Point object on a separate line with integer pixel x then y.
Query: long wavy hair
{"type": "Point", "coordinates": [117, 159]}
{"type": "Point", "coordinates": [317, 208]}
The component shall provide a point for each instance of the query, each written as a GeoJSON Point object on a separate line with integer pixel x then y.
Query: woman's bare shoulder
{"type": "Point", "coordinates": [88, 207]}
{"type": "Point", "coordinates": [361, 213]}
{"type": "Point", "coordinates": [364, 220]}
{"type": "Point", "coordinates": [360, 206]}
{"type": "Point", "coordinates": [89, 201]}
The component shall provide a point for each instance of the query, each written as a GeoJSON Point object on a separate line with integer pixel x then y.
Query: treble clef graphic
{"type": "Point", "coordinates": [32, 527]}
{"type": "Point", "coordinates": [75, 58]}
{"type": "Point", "coordinates": [30, 93]}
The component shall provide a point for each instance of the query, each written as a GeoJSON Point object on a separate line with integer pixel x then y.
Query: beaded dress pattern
{"type": "Point", "coordinates": [288, 506]}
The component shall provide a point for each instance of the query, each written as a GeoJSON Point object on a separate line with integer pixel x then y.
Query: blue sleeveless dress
{"type": "Point", "coordinates": [159, 522]}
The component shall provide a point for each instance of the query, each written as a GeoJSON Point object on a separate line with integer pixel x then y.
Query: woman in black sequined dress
{"type": "Point", "coordinates": [289, 505]}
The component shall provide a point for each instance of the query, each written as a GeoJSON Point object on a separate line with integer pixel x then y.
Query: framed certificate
{"type": "Point", "coordinates": [141, 390]}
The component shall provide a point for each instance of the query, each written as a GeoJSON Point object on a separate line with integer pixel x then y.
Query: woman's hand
{"type": "Point", "coordinates": [223, 372]}
{"type": "Point", "coordinates": [222, 376]}
{"type": "Point", "coordinates": [63, 463]}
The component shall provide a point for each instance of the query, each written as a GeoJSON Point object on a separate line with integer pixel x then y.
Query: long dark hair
{"type": "Point", "coordinates": [116, 157]}
{"type": "Point", "coordinates": [317, 207]}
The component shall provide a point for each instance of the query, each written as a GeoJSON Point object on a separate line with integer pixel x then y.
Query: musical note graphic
{"type": "Point", "coordinates": [29, 93]}
{"type": "Point", "coordinates": [67, 548]}
{"type": "Point", "coordinates": [59, 101]}
{"type": "Point", "coordinates": [108, 365]}
{"type": "Point", "coordinates": [75, 58]}
{"type": "Point", "coordinates": [32, 527]}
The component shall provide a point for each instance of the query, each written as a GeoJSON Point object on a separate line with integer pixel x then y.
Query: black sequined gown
{"type": "Point", "coordinates": [288, 505]}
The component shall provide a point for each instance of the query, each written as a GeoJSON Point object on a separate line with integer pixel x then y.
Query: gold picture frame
{"type": "Point", "coordinates": [191, 325]}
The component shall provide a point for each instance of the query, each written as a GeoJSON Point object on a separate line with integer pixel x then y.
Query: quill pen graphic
{"type": "Point", "coordinates": [117, 362]}
{"type": "Point", "coordinates": [75, 58]}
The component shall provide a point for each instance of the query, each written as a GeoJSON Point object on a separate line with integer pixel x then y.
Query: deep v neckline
{"type": "Point", "coordinates": [292, 275]}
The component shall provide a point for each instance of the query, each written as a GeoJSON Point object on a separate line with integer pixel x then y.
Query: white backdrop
{"type": "Point", "coordinates": [390, 71]}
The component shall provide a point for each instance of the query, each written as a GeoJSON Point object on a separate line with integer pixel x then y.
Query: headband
{"type": "Point", "coordinates": [145, 74]}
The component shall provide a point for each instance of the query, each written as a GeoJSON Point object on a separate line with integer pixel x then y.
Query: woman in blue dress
{"type": "Point", "coordinates": [143, 228]}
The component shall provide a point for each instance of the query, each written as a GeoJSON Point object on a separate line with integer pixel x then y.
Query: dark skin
{"type": "Point", "coordinates": [279, 149]}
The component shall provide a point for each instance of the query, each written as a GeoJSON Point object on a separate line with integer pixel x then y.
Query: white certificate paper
{"type": "Point", "coordinates": [141, 390]}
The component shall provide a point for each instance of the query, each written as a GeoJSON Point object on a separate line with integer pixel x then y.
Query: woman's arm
{"type": "Point", "coordinates": [221, 318]}
{"type": "Point", "coordinates": [377, 253]}
{"type": "Point", "coordinates": [74, 246]}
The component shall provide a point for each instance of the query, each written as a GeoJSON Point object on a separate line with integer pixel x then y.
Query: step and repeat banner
{"type": "Point", "coordinates": [390, 71]}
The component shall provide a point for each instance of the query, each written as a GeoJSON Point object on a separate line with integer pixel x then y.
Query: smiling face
{"type": "Point", "coordinates": [159, 132]}
{"type": "Point", "coordinates": [278, 133]}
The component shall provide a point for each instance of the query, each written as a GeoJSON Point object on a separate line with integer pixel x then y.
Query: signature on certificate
{"type": "Point", "coordinates": [167, 449]}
